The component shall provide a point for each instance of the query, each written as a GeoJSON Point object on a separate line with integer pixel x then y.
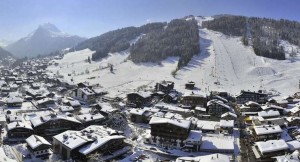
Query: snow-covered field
{"type": "Point", "coordinates": [224, 64]}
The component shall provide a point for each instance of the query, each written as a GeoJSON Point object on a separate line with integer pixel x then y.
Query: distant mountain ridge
{"type": "Point", "coordinates": [45, 39]}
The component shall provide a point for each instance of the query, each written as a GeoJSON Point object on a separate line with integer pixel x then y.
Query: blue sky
{"type": "Point", "coordinates": [90, 18]}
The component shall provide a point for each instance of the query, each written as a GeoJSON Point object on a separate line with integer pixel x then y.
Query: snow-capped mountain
{"type": "Point", "coordinates": [45, 39]}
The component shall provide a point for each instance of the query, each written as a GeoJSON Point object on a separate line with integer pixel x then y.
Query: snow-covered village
{"type": "Point", "coordinates": [221, 88]}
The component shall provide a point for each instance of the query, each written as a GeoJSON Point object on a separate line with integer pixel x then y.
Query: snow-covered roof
{"type": "Point", "coordinates": [35, 141]}
{"type": "Point", "coordinates": [44, 100]}
{"type": "Point", "coordinates": [217, 143]}
{"type": "Point", "coordinates": [144, 94]}
{"type": "Point", "coordinates": [227, 123]}
{"type": "Point", "coordinates": [14, 125]}
{"type": "Point", "coordinates": [267, 129]}
{"type": "Point", "coordinates": [66, 108]}
{"type": "Point", "coordinates": [88, 139]}
{"type": "Point", "coordinates": [196, 93]}
{"type": "Point", "coordinates": [292, 118]}
{"type": "Point", "coordinates": [151, 109]}
{"type": "Point", "coordinates": [272, 146]}
{"type": "Point", "coordinates": [293, 145]}
{"type": "Point", "coordinates": [87, 91]}
{"type": "Point", "coordinates": [228, 114]}
{"type": "Point", "coordinates": [265, 107]}
{"type": "Point", "coordinates": [295, 109]}
{"type": "Point", "coordinates": [294, 157]}
{"type": "Point", "coordinates": [75, 103]}
{"type": "Point", "coordinates": [90, 117]}
{"type": "Point", "coordinates": [106, 107]}
{"type": "Point", "coordinates": [248, 103]}
{"type": "Point", "coordinates": [177, 122]}
{"type": "Point", "coordinates": [43, 119]}
{"type": "Point", "coordinates": [195, 136]}
{"type": "Point", "coordinates": [269, 113]}
{"type": "Point", "coordinates": [137, 111]}
{"type": "Point", "coordinates": [72, 139]}
{"type": "Point", "coordinates": [219, 102]}
{"type": "Point", "coordinates": [200, 108]}
{"type": "Point", "coordinates": [207, 125]}
{"type": "Point", "coordinates": [14, 99]}
{"type": "Point", "coordinates": [205, 158]}
{"type": "Point", "coordinates": [99, 141]}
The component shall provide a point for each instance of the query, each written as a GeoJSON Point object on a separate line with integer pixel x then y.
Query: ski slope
{"type": "Point", "coordinates": [224, 64]}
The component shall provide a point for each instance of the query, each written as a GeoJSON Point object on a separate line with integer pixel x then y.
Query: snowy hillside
{"type": "Point", "coordinates": [45, 39]}
{"type": "Point", "coordinates": [223, 64]}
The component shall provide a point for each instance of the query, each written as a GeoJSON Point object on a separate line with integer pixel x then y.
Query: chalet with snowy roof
{"type": "Point", "coordinates": [74, 103]}
{"type": "Point", "coordinates": [104, 108]}
{"type": "Point", "coordinates": [206, 158]}
{"type": "Point", "coordinates": [217, 97]}
{"type": "Point", "coordinates": [84, 94]}
{"type": "Point", "coordinates": [293, 121]}
{"type": "Point", "coordinates": [14, 101]}
{"type": "Point", "coordinates": [35, 85]}
{"type": "Point", "coordinates": [62, 90]}
{"type": "Point", "coordinates": [45, 103]}
{"type": "Point", "coordinates": [84, 85]}
{"type": "Point", "coordinates": [14, 118]}
{"type": "Point", "coordinates": [68, 84]}
{"type": "Point", "coordinates": [18, 130]}
{"type": "Point", "coordinates": [226, 126]}
{"type": "Point", "coordinates": [190, 85]}
{"type": "Point", "coordinates": [194, 98]}
{"type": "Point", "coordinates": [200, 110]}
{"type": "Point", "coordinates": [294, 157]}
{"type": "Point", "coordinates": [270, 121]}
{"type": "Point", "coordinates": [173, 133]}
{"type": "Point", "coordinates": [79, 145]}
{"type": "Point", "coordinates": [34, 94]}
{"type": "Point", "coordinates": [5, 91]}
{"type": "Point", "coordinates": [268, 149]}
{"type": "Point", "coordinates": [282, 103]}
{"type": "Point", "coordinates": [171, 97]}
{"type": "Point", "coordinates": [164, 86]}
{"type": "Point", "coordinates": [65, 109]}
{"type": "Point", "coordinates": [295, 111]}
{"type": "Point", "coordinates": [266, 132]}
{"type": "Point", "coordinates": [140, 115]}
{"type": "Point", "coordinates": [246, 96]}
{"type": "Point", "coordinates": [38, 146]}
{"type": "Point", "coordinates": [268, 114]}
{"type": "Point", "coordinates": [217, 107]}
{"type": "Point", "coordinates": [19, 81]}
{"type": "Point", "coordinates": [273, 108]}
{"type": "Point", "coordinates": [139, 99]}
{"type": "Point", "coordinates": [91, 119]}
{"type": "Point", "coordinates": [54, 124]}
{"type": "Point", "coordinates": [229, 116]}
{"type": "Point", "coordinates": [290, 99]}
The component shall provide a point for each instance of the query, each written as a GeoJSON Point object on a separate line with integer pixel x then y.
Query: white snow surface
{"type": "Point", "coordinates": [222, 59]}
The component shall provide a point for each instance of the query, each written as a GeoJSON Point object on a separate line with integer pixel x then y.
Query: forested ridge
{"type": "Point", "coordinates": [262, 33]}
